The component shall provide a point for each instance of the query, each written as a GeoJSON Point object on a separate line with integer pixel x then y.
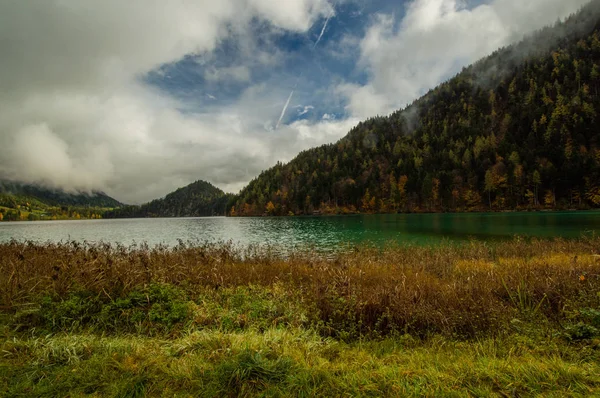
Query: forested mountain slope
{"type": "Point", "coordinates": [54, 197]}
{"type": "Point", "coordinates": [195, 200]}
{"type": "Point", "coordinates": [517, 130]}
{"type": "Point", "coordinates": [20, 201]}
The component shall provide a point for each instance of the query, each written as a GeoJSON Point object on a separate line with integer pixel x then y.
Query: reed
{"type": "Point", "coordinates": [456, 290]}
{"type": "Point", "coordinates": [518, 318]}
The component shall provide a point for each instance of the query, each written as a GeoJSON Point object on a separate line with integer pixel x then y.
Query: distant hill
{"type": "Point", "coordinates": [516, 130]}
{"type": "Point", "coordinates": [52, 197]}
{"type": "Point", "coordinates": [198, 199]}
{"type": "Point", "coordinates": [21, 201]}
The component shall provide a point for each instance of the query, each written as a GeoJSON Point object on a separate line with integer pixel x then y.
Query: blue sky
{"type": "Point", "coordinates": [137, 98]}
{"type": "Point", "coordinates": [308, 61]}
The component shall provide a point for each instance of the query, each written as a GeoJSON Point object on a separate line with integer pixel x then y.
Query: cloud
{"type": "Point", "coordinates": [56, 163]}
{"type": "Point", "coordinates": [405, 57]}
{"type": "Point", "coordinates": [305, 109]}
{"type": "Point", "coordinates": [75, 112]}
{"type": "Point", "coordinates": [294, 15]}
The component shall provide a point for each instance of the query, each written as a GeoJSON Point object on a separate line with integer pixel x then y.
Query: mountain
{"type": "Point", "coordinates": [516, 130]}
{"type": "Point", "coordinates": [198, 199]}
{"type": "Point", "coordinates": [21, 201]}
{"type": "Point", "coordinates": [13, 192]}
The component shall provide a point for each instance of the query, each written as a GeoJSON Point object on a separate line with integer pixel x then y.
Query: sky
{"type": "Point", "coordinates": [137, 98]}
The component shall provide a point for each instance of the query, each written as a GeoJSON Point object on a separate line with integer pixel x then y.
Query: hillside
{"type": "Point", "coordinates": [55, 197]}
{"type": "Point", "coordinates": [516, 130]}
{"type": "Point", "coordinates": [198, 199]}
{"type": "Point", "coordinates": [20, 201]}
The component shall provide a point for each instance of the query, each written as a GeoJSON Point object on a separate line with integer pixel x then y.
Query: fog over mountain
{"type": "Point", "coordinates": [137, 98]}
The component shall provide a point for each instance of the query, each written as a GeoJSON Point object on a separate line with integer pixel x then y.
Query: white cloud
{"type": "Point", "coordinates": [311, 134]}
{"type": "Point", "coordinates": [433, 40]}
{"type": "Point", "coordinates": [303, 110]}
{"type": "Point", "coordinates": [75, 114]}
{"type": "Point", "coordinates": [56, 163]}
{"type": "Point", "coordinates": [294, 15]}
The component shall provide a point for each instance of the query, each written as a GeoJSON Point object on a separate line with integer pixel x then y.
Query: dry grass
{"type": "Point", "coordinates": [520, 318]}
{"type": "Point", "coordinates": [457, 290]}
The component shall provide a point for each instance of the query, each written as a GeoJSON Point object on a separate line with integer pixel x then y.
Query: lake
{"type": "Point", "coordinates": [324, 233]}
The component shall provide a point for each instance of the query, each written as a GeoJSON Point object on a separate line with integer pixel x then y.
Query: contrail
{"type": "Point", "coordinates": [285, 108]}
{"type": "Point", "coordinates": [297, 80]}
{"type": "Point", "coordinates": [323, 30]}
{"type": "Point", "coordinates": [287, 103]}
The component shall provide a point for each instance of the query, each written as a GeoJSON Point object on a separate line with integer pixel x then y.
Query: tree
{"type": "Point", "coordinates": [495, 179]}
{"type": "Point", "coordinates": [373, 203]}
{"type": "Point", "coordinates": [593, 193]}
{"type": "Point", "coordinates": [435, 191]}
{"type": "Point", "coordinates": [472, 199]}
{"type": "Point", "coordinates": [549, 199]}
{"type": "Point", "coordinates": [270, 208]}
{"type": "Point", "coordinates": [490, 185]}
{"type": "Point", "coordinates": [402, 190]}
{"type": "Point", "coordinates": [308, 207]}
{"type": "Point", "coordinates": [540, 115]}
{"type": "Point", "coordinates": [366, 201]}
{"type": "Point", "coordinates": [393, 192]}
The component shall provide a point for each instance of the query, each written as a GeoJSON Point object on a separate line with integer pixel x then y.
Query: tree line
{"type": "Point", "coordinates": [516, 130]}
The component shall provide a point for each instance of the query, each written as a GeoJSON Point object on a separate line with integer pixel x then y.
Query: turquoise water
{"type": "Point", "coordinates": [320, 232]}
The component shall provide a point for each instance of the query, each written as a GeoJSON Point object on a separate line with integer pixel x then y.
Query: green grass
{"type": "Point", "coordinates": [513, 319]}
{"type": "Point", "coordinates": [295, 362]}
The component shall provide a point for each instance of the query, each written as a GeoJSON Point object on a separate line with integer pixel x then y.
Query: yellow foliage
{"type": "Point", "coordinates": [558, 260]}
{"type": "Point", "coordinates": [270, 208]}
{"type": "Point", "coordinates": [549, 199]}
{"type": "Point", "coordinates": [593, 195]}
{"type": "Point", "coordinates": [472, 198]}
{"type": "Point", "coordinates": [467, 266]}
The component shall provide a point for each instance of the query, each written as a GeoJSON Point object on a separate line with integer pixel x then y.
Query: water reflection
{"type": "Point", "coordinates": [325, 233]}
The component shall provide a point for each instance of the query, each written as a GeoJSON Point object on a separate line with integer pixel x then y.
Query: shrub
{"type": "Point", "coordinates": [156, 308]}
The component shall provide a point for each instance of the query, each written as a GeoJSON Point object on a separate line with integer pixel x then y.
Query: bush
{"type": "Point", "coordinates": [158, 308]}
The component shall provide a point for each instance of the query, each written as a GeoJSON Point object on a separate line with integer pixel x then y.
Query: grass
{"type": "Point", "coordinates": [519, 318]}
{"type": "Point", "coordinates": [293, 362]}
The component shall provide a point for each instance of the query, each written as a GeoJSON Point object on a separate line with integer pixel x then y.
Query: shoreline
{"type": "Point", "coordinates": [549, 211]}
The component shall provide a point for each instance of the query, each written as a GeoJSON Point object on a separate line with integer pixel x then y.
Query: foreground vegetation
{"type": "Point", "coordinates": [506, 319]}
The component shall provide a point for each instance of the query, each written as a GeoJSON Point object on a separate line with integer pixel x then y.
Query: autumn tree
{"type": "Point", "coordinates": [593, 192]}
{"type": "Point", "coordinates": [537, 181]}
{"type": "Point", "coordinates": [539, 113]}
{"type": "Point", "coordinates": [495, 179]}
{"type": "Point", "coordinates": [270, 208]}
